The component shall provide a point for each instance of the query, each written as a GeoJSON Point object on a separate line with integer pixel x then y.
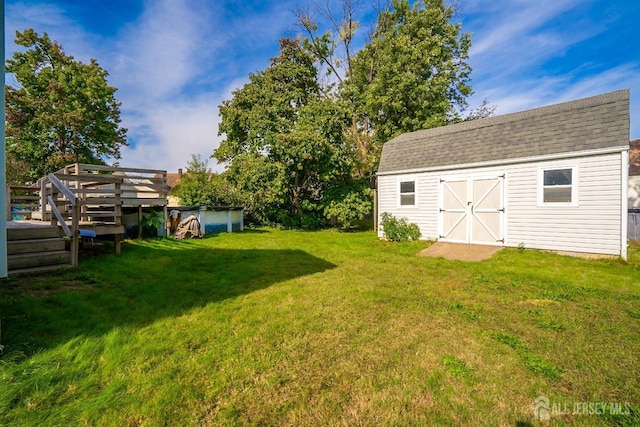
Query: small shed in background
{"type": "Point", "coordinates": [213, 219]}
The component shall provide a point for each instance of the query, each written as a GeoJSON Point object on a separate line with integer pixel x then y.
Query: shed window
{"type": "Point", "coordinates": [558, 186]}
{"type": "Point", "coordinates": [407, 193]}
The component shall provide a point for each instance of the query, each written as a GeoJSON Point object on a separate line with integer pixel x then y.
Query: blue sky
{"type": "Point", "coordinates": [175, 61]}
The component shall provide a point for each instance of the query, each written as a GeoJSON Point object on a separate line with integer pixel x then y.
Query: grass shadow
{"type": "Point", "coordinates": [149, 281]}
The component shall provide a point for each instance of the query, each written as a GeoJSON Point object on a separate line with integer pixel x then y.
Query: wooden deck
{"type": "Point", "coordinates": [26, 224]}
{"type": "Point", "coordinates": [78, 198]}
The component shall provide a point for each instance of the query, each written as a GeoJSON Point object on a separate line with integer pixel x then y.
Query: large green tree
{"type": "Point", "coordinates": [61, 110]}
{"type": "Point", "coordinates": [284, 141]}
{"type": "Point", "coordinates": [412, 73]}
{"type": "Point", "coordinates": [199, 186]}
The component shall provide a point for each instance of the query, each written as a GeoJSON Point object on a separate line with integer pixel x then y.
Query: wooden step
{"type": "Point", "coordinates": [41, 269]}
{"type": "Point", "coordinates": [35, 245]}
{"type": "Point", "coordinates": [37, 259]}
{"type": "Point", "coordinates": [32, 232]}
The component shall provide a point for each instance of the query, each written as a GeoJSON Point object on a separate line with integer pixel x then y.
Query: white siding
{"type": "Point", "coordinates": [593, 226]}
{"type": "Point", "coordinates": [425, 214]}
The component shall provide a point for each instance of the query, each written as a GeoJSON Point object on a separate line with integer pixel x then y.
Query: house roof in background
{"type": "Point", "coordinates": [596, 122]}
{"type": "Point", "coordinates": [173, 179]}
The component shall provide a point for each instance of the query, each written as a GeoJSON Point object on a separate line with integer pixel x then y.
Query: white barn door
{"type": "Point", "coordinates": [472, 210]}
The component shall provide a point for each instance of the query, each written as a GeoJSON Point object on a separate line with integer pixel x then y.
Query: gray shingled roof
{"type": "Point", "coordinates": [586, 124]}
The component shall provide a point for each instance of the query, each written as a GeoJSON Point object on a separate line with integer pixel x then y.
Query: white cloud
{"type": "Point", "coordinates": [623, 76]}
{"type": "Point", "coordinates": [169, 63]}
{"type": "Point", "coordinates": [169, 118]}
{"type": "Point", "coordinates": [160, 53]}
{"type": "Point", "coordinates": [157, 59]}
{"type": "Point", "coordinates": [173, 132]}
{"type": "Point", "coordinates": [518, 37]}
{"type": "Point", "coordinates": [517, 20]}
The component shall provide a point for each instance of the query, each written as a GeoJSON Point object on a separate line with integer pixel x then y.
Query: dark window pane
{"type": "Point", "coordinates": [407, 199]}
{"type": "Point", "coordinates": [557, 195]}
{"type": "Point", "coordinates": [408, 187]}
{"type": "Point", "coordinates": [557, 177]}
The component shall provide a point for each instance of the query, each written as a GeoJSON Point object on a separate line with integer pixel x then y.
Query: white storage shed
{"type": "Point", "coordinates": [549, 178]}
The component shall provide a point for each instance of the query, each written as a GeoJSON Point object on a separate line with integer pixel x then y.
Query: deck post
{"type": "Point", "coordinates": [165, 210]}
{"type": "Point", "coordinates": [75, 234]}
{"type": "Point", "coordinates": [117, 212]}
{"type": "Point", "coordinates": [43, 199]}
{"type": "Point", "coordinates": [8, 199]}
{"type": "Point", "coordinates": [165, 228]}
{"type": "Point", "coordinates": [118, 242]}
{"type": "Point", "coordinates": [54, 197]}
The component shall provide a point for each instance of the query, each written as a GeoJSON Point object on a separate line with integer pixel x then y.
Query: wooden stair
{"type": "Point", "coordinates": [34, 248]}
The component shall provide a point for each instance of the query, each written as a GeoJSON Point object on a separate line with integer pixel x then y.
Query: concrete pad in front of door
{"type": "Point", "coordinates": [460, 252]}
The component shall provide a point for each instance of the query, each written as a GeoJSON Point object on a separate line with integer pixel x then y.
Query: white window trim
{"type": "Point", "coordinates": [415, 192]}
{"type": "Point", "coordinates": [574, 186]}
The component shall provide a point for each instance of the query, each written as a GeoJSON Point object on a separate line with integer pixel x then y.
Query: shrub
{"type": "Point", "coordinates": [349, 206]}
{"type": "Point", "coordinates": [399, 230]}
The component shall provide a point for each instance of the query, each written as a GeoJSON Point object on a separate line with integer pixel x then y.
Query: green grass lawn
{"type": "Point", "coordinates": [320, 328]}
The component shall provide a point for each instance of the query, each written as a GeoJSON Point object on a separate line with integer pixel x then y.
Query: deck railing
{"type": "Point", "coordinates": [140, 187]}
{"type": "Point", "coordinates": [22, 200]}
{"type": "Point", "coordinates": [95, 186]}
{"type": "Point", "coordinates": [99, 196]}
{"type": "Point", "coordinates": [73, 232]}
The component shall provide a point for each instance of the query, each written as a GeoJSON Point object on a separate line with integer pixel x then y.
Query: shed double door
{"type": "Point", "coordinates": [472, 210]}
